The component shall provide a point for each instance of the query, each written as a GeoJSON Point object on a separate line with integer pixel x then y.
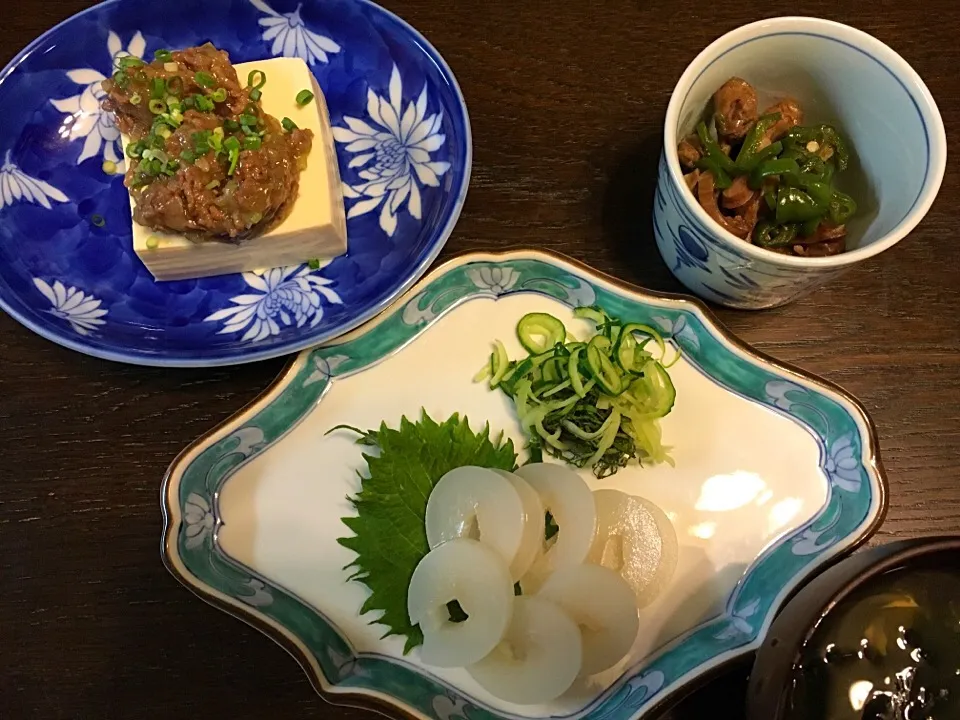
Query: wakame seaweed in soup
{"type": "Point", "coordinates": [890, 651]}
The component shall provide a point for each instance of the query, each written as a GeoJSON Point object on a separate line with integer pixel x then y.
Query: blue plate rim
{"type": "Point", "coordinates": [297, 344]}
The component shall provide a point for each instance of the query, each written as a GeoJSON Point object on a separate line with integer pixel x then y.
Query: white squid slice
{"type": "Point", "coordinates": [569, 500]}
{"type": "Point", "coordinates": [474, 575]}
{"type": "Point", "coordinates": [477, 503]}
{"type": "Point", "coordinates": [539, 657]}
{"type": "Point", "coordinates": [531, 542]}
{"type": "Point", "coordinates": [603, 605]}
{"type": "Point", "coordinates": [636, 539]}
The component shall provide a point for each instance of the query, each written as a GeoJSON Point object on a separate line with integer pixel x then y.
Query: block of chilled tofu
{"type": "Point", "coordinates": [315, 227]}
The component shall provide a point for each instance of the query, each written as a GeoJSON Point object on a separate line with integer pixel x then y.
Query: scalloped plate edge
{"type": "Point", "coordinates": [384, 703]}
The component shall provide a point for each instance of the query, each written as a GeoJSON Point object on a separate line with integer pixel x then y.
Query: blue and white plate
{"type": "Point", "coordinates": [776, 474]}
{"type": "Point", "coordinates": [403, 144]}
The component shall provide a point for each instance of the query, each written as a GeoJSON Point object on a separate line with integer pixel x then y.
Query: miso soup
{"type": "Point", "coordinates": [889, 651]}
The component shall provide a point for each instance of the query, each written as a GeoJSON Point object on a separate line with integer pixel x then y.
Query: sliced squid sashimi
{"type": "Point", "coordinates": [531, 543]}
{"type": "Point", "coordinates": [603, 605]}
{"type": "Point", "coordinates": [636, 539]}
{"type": "Point", "coordinates": [539, 657]}
{"type": "Point", "coordinates": [474, 575]}
{"type": "Point", "coordinates": [568, 499]}
{"type": "Point", "coordinates": [477, 503]}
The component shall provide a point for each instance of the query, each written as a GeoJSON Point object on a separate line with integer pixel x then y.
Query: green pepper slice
{"type": "Point", "coordinates": [772, 168]}
{"type": "Point", "coordinates": [746, 158]}
{"type": "Point", "coordinates": [721, 180]}
{"type": "Point", "coordinates": [797, 206]}
{"type": "Point", "coordinates": [841, 208]}
{"type": "Point", "coordinates": [712, 150]}
{"type": "Point", "coordinates": [770, 235]}
{"type": "Point", "coordinates": [824, 136]}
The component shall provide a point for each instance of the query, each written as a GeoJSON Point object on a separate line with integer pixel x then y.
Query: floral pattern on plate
{"type": "Point", "coordinates": [394, 155]}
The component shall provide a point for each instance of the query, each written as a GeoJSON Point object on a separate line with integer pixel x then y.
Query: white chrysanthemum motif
{"type": "Point", "coordinates": [740, 624]}
{"type": "Point", "coordinates": [843, 464]}
{"type": "Point", "coordinates": [290, 36]}
{"type": "Point", "coordinates": [497, 280]}
{"type": "Point", "coordinates": [394, 153]}
{"type": "Point", "coordinates": [85, 118]}
{"type": "Point", "coordinates": [285, 296]}
{"type": "Point", "coordinates": [81, 310]}
{"type": "Point", "coordinates": [16, 185]}
{"type": "Point", "coordinates": [197, 520]}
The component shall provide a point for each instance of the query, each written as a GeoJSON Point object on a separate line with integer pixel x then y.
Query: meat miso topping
{"type": "Point", "coordinates": [765, 177]}
{"type": "Point", "coordinates": [205, 160]}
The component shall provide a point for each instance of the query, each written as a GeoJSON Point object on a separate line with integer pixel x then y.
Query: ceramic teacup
{"type": "Point", "coordinates": [840, 76]}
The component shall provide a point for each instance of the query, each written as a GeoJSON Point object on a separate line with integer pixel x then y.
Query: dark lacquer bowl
{"type": "Point", "coordinates": [876, 636]}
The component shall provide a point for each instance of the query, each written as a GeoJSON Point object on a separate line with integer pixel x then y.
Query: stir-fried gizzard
{"type": "Point", "coordinates": [766, 178]}
{"type": "Point", "coordinates": [205, 160]}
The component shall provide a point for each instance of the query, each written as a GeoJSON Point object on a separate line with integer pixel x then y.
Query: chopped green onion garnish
{"type": "Point", "coordinates": [251, 142]}
{"type": "Point", "coordinates": [234, 158]}
{"type": "Point", "coordinates": [203, 104]}
{"type": "Point", "coordinates": [128, 61]}
{"type": "Point", "coordinates": [98, 220]}
{"type": "Point", "coordinates": [164, 132]}
{"type": "Point", "coordinates": [157, 107]}
{"type": "Point", "coordinates": [231, 144]}
{"type": "Point", "coordinates": [175, 86]}
{"type": "Point", "coordinates": [163, 55]}
{"type": "Point", "coordinates": [255, 95]}
{"type": "Point", "coordinates": [314, 264]}
{"type": "Point", "coordinates": [153, 242]}
{"type": "Point", "coordinates": [134, 150]}
{"type": "Point", "coordinates": [204, 79]}
{"type": "Point", "coordinates": [158, 89]}
{"type": "Point", "coordinates": [212, 184]}
{"type": "Point", "coordinates": [288, 124]}
{"type": "Point", "coordinates": [256, 79]}
{"type": "Point", "coordinates": [135, 99]}
{"type": "Point", "coordinates": [219, 95]}
{"type": "Point", "coordinates": [189, 102]}
{"type": "Point", "coordinates": [231, 125]}
{"type": "Point", "coordinates": [121, 79]}
{"type": "Point", "coordinates": [248, 119]}
{"type": "Point", "coordinates": [303, 97]}
{"type": "Point", "coordinates": [188, 156]}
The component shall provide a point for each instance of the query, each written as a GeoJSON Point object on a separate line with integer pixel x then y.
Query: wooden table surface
{"type": "Point", "coordinates": [567, 101]}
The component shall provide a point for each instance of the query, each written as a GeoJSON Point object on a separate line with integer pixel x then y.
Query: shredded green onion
{"type": "Point", "coordinates": [163, 55]}
{"type": "Point", "coordinates": [304, 97]}
{"type": "Point", "coordinates": [252, 142]}
{"type": "Point", "coordinates": [157, 107]}
{"type": "Point", "coordinates": [219, 95]}
{"type": "Point", "coordinates": [153, 242]}
{"type": "Point", "coordinates": [98, 220]}
{"type": "Point", "coordinates": [288, 124]}
{"type": "Point", "coordinates": [135, 99]}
